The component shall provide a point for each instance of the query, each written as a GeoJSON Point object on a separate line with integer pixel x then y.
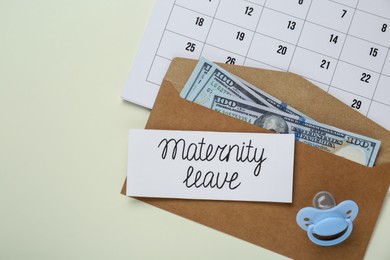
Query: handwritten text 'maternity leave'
{"type": "Point", "coordinates": [202, 151]}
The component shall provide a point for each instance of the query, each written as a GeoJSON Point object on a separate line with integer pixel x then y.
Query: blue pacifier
{"type": "Point", "coordinates": [327, 224]}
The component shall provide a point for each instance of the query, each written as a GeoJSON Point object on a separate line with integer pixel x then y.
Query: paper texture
{"type": "Point", "coordinates": [210, 165]}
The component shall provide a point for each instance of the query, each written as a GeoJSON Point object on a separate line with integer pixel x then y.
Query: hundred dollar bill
{"type": "Point", "coordinates": [343, 143]}
{"type": "Point", "coordinates": [193, 87]}
{"type": "Point", "coordinates": [200, 71]}
{"type": "Point", "coordinates": [219, 81]}
{"type": "Point", "coordinates": [274, 101]}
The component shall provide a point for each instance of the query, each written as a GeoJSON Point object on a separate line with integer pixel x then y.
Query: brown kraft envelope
{"type": "Point", "coordinates": [273, 225]}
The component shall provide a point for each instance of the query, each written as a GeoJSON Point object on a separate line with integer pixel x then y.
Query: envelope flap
{"type": "Point", "coordinates": [300, 94]}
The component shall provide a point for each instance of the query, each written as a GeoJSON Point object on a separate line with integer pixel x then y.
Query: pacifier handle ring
{"type": "Point", "coordinates": [330, 242]}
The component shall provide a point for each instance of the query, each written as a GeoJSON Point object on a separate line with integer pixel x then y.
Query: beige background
{"type": "Point", "coordinates": [63, 142]}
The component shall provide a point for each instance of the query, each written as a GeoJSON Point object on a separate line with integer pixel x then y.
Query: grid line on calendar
{"type": "Point", "coordinates": [255, 29]}
{"type": "Point", "coordinates": [358, 9]}
{"type": "Point", "coordinates": [243, 27]}
{"type": "Point", "coordinates": [356, 94]}
{"type": "Point", "coordinates": [364, 11]}
{"type": "Point", "coordinates": [165, 30]}
{"type": "Point", "coordinates": [205, 42]}
{"type": "Point", "coordinates": [299, 37]}
{"type": "Point", "coordinates": [246, 57]}
{"type": "Point", "coordinates": [342, 47]}
{"type": "Point", "coordinates": [341, 3]}
{"type": "Point", "coordinates": [251, 2]}
{"type": "Point", "coordinates": [257, 25]}
{"type": "Point", "coordinates": [184, 7]}
{"type": "Point", "coordinates": [376, 87]}
{"type": "Point", "coordinates": [268, 36]}
{"type": "Point", "coordinates": [162, 35]}
{"type": "Point", "coordinates": [212, 21]}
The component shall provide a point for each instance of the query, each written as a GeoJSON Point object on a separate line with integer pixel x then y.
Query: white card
{"type": "Point", "coordinates": [210, 165]}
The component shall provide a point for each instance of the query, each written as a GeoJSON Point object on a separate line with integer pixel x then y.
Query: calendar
{"type": "Point", "coordinates": [342, 46]}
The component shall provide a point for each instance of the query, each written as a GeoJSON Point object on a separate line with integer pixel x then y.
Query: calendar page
{"type": "Point", "coordinates": [342, 46]}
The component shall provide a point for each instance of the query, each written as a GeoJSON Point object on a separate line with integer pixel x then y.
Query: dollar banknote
{"type": "Point", "coordinates": [343, 143]}
{"type": "Point", "coordinates": [248, 91]}
{"type": "Point", "coordinates": [200, 71]}
{"type": "Point", "coordinates": [274, 102]}
{"type": "Point", "coordinates": [268, 99]}
{"type": "Point", "coordinates": [205, 81]}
